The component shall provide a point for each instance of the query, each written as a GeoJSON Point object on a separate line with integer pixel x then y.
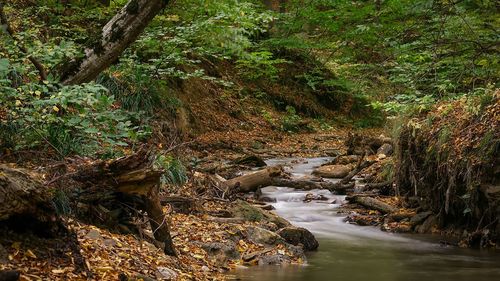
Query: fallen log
{"type": "Point", "coordinates": [372, 203]}
{"type": "Point", "coordinates": [22, 197]}
{"type": "Point", "coordinates": [310, 185]}
{"type": "Point", "coordinates": [252, 181]}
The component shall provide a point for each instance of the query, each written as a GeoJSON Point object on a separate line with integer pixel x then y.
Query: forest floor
{"type": "Point", "coordinates": [196, 233]}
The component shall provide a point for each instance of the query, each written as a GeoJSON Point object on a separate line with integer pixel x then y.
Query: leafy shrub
{"type": "Point", "coordinates": [257, 65]}
{"type": "Point", "coordinates": [68, 119]}
{"type": "Point", "coordinates": [291, 121]}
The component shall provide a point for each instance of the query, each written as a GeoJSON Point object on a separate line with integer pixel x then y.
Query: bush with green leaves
{"type": "Point", "coordinates": [291, 121]}
{"type": "Point", "coordinates": [259, 65]}
{"type": "Point", "coordinates": [80, 119]}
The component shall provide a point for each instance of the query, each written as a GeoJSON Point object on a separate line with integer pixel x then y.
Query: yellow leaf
{"type": "Point", "coordinates": [30, 254]}
{"type": "Point", "coordinates": [18, 103]}
{"type": "Point", "coordinates": [55, 108]}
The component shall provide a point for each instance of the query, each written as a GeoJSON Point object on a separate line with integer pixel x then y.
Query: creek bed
{"type": "Point", "coordinates": [350, 252]}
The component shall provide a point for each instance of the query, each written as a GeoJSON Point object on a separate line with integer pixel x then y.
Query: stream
{"type": "Point", "coordinates": [350, 252]}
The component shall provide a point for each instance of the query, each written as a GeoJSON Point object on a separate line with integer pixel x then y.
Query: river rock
{"type": "Point", "coordinates": [299, 235]}
{"type": "Point", "coordinates": [167, 273]}
{"type": "Point", "coordinates": [332, 171]}
{"type": "Point", "coordinates": [246, 211]}
{"type": "Point", "coordinates": [250, 160]}
{"type": "Point", "coordinates": [385, 149]}
{"type": "Point", "coordinates": [427, 225]}
{"type": "Point", "coordinates": [346, 159]}
{"type": "Point", "coordinates": [263, 236]}
{"type": "Point", "coordinates": [221, 252]}
{"type": "Point", "coordinates": [274, 260]}
{"type": "Point", "coordinates": [419, 218]}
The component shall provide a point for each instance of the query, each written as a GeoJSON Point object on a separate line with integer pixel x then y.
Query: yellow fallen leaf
{"type": "Point", "coordinates": [30, 254]}
{"type": "Point", "coordinates": [55, 108]}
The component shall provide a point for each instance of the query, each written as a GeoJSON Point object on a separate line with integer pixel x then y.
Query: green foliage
{"type": "Point", "coordinates": [291, 122]}
{"type": "Point", "coordinates": [397, 52]}
{"type": "Point", "coordinates": [259, 65]}
{"type": "Point", "coordinates": [175, 173]}
{"type": "Point", "coordinates": [69, 119]}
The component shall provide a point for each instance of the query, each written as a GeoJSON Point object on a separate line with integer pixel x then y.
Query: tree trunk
{"type": "Point", "coordinates": [251, 182]}
{"type": "Point", "coordinates": [129, 180]}
{"type": "Point", "coordinates": [372, 203]}
{"type": "Point", "coordinates": [121, 31]}
{"type": "Point", "coordinates": [22, 195]}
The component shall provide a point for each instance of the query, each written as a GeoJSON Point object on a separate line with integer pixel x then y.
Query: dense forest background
{"type": "Point", "coordinates": [369, 59]}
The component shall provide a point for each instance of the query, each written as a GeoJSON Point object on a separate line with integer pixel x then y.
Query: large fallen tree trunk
{"type": "Point", "coordinates": [372, 203]}
{"type": "Point", "coordinates": [309, 184]}
{"type": "Point", "coordinates": [22, 195]}
{"type": "Point", "coordinates": [252, 181]}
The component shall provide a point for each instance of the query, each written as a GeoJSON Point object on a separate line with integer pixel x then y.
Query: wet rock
{"type": "Point", "coordinates": [312, 197]}
{"type": "Point", "coordinates": [427, 225]}
{"type": "Point", "coordinates": [385, 149]}
{"type": "Point", "coordinates": [253, 255]}
{"type": "Point", "coordinates": [274, 260]}
{"type": "Point", "coordinates": [332, 171]}
{"type": "Point", "coordinates": [263, 236]}
{"type": "Point", "coordinates": [248, 212]}
{"type": "Point", "coordinates": [167, 273]}
{"type": "Point", "coordinates": [267, 199]}
{"type": "Point", "coordinates": [419, 218]}
{"type": "Point", "coordinates": [346, 159]}
{"type": "Point", "coordinates": [267, 207]}
{"type": "Point", "coordinates": [227, 250]}
{"type": "Point", "coordinates": [250, 160]}
{"type": "Point", "coordinates": [299, 235]}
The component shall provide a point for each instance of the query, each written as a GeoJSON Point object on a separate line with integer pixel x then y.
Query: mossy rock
{"type": "Point", "coordinates": [243, 209]}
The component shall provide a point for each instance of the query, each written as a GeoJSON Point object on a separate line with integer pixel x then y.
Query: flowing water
{"type": "Point", "coordinates": [350, 253]}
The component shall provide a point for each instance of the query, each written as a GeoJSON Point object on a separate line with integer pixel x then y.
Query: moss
{"type": "Point", "coordinates": [133, 7]}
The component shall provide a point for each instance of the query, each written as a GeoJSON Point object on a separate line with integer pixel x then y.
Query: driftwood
{"type": "Point", "coordinates": [372, 203]}
{"type": "Point", "coordinates": [252, 181]}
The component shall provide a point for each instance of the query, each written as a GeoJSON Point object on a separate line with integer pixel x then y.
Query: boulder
{"type": "Point", "coordinates": [246, 211]}
{"type": "Point", "coordinates": [299, 235]}
{"type": "Point", "coordinates": [274, 260]}
{"type": "Point", "coordinates": [263, 236]}
{"type": "Point", "coordinates": [420, 218]}
{"type": "Point", "coordinates": [226, 249]}
{"type": "Point", "coordinates": [427, 225]}
{"type": "Point", "coordinates": [332, 171]}
{"type": "Point", "coordinates": [346, 159]}
{"type": "Point", "coordinates": [221, 253]}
